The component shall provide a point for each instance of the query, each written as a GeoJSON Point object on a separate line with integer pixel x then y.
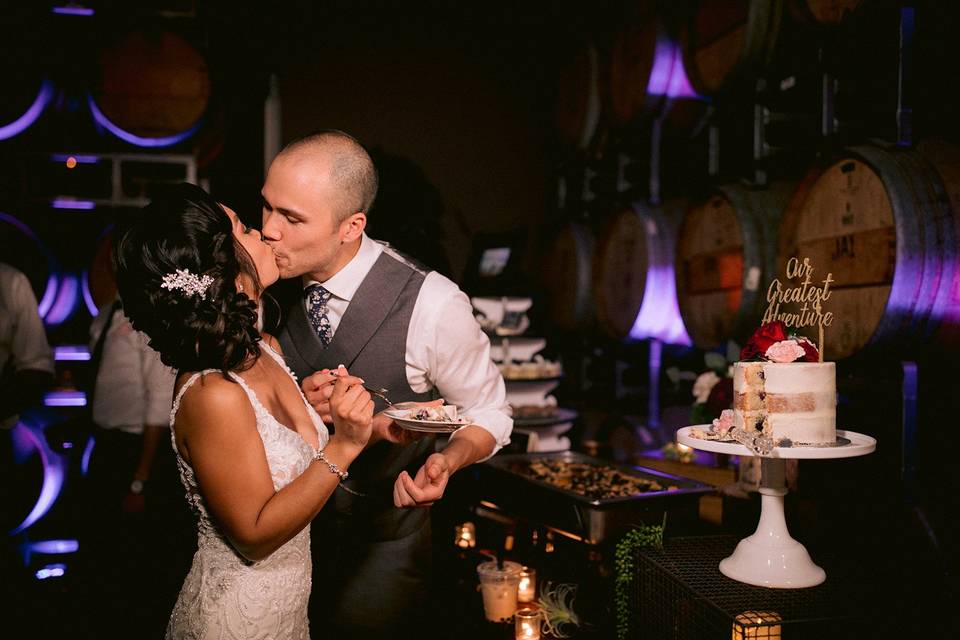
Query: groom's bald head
{"type": "Point", "coordinates": [342, 160]}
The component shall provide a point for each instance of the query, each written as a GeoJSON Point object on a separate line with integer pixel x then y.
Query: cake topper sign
{"type": "Point", "coordinates": [811, 299]}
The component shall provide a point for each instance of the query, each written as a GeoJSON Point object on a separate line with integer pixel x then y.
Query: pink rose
{"type": "Point", "coordinates": [722, 424]}
{"type": "Point", "coordinates": [784, 351]}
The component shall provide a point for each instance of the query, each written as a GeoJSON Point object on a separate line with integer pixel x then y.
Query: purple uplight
{"type": "Point", "coordinates": [66, 301]}
{"type": "Point", "coordinates": [140, 141]}
{"type": "Point", "coordinates": [659, 316]}
{"type": "Point", "coordinates": [65, 399]}
{"type": "Point", "coordinates": [51, 571]}
{"type": "Point", "coordinates": [73, 10]}
{"type": "Point", "coordinates": [53, 474]}
{"type": "Point", "coordinates": [87, 295]}
{"type": "Point", "coordinates": [31, 114]}
{"type": "Point", "coordinates": [71, 203]}
{"type": "Point", "coordinates": [668, 77]}
{"type": "Point", "coordinates": [53, 282]}
{"type": "Point", "coordinates": [87, 453]}
{"type": "Point", "coordinates": [71, 352]}
{"type": "Point", "coordinates": [53, 546]}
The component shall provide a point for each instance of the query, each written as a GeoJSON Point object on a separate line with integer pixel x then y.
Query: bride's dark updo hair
{"type": "Point", "coordinates": [186, 228]}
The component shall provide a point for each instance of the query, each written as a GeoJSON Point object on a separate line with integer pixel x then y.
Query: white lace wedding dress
{"type": "Point", "coordinates": [226, 596]}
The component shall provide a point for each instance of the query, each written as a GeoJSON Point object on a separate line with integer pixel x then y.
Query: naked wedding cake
{"type": "Point", "coordinates": [783, 391]}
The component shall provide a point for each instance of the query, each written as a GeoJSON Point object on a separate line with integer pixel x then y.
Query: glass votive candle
{"type": "Point", "coordinates": [527, 589]}
{"type": "Point", "coordinates": [498, 585]}
{"type": "Point", "coordinates": [756, 625]}
{"type": "Point", "coordinates": [465, 535]}
{"type": "Point", "coordinates": [527, 624]}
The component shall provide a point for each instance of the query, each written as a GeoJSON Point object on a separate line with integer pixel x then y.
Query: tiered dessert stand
{"type": "Point", "coordinates": [505, 320]}
{"type": "Point", "coordinates": [770, 557]}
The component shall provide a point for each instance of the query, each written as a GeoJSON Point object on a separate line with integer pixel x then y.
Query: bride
{"type": "Point", "coordinates": [256, 460]}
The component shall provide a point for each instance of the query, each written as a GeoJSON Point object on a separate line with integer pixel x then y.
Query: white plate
{"type": "Point", "coordinates": [425, 426]}
{"type": "Point", "coordinates": [849, 444]}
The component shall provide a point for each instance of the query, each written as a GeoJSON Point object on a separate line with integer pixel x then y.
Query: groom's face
{"type": "Point", "coordinates": [299, 217]}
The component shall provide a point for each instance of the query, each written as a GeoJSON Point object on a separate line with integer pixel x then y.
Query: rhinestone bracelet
{"type": "Point", "coordinates": [334, 469]}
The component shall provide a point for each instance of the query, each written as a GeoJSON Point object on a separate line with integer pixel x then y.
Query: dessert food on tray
{"type": "Point", "coordinates": [782, 392]}
{"type": "Point", "coordinates": [531, 369]}
{"type": "Point", "coordinates": [594, 481]}
{"type": "Point", "coordinates": [443, 413]}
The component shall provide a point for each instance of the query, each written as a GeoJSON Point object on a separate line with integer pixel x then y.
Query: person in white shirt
{"type": "Point", "coordinates": [26, 360]}
{"type": "Point", "coordinates": [399, 327]}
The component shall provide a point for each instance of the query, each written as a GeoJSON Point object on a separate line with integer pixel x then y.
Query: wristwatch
{"type": "Point", "coordinates": [136, 487]}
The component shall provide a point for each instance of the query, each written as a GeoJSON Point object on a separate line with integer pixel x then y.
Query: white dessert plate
{"type": "Point", "coordinates": [425, 426]}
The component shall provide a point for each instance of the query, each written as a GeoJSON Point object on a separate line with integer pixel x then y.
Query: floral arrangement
{"type": "Point", "coordinates": [773, 343]}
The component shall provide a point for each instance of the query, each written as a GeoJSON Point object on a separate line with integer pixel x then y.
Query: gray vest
{"type": "Point", "coordinates": [371, 342]}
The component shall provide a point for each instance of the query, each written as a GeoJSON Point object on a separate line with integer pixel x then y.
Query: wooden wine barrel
{"type": "Point", "coordinates": [880, 222]}
{"type": "Point", "coordinates": [945, 313]}
{"type": "Point", "coordinates": [152, 84]}
{"type": "Point", "coordinates": [578, 103]}
{"type": "Point", "coordinates": [22, 73]}
{"type": "Point", "coordinates": [633, 268]}
{"type": "Point", "coordinates": [566, 273]}
{"type": "Point", "coordinates": [724, 39]}
{"type": "Point", "coordinates": [825, 13]}
{"type": "Point", "coordinates": [726, 256]}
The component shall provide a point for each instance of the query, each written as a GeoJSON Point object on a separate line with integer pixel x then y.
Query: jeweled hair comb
{"type": "Point", "coordinates": [190, 284]}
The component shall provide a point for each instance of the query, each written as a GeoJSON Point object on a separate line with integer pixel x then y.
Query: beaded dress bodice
{"type": "Point", "coordinates": [226, 596]}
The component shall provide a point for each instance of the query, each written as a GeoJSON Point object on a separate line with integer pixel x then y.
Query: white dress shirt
{"type": "Point", "coordinates": [133, 387]}
{"type": "Point", "coordinates": [446, 349]}
{"type": "Point", "coordinates": [23, 341]}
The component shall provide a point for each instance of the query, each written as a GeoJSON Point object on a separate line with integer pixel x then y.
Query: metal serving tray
{"type": "Point", "coordinates": [593, 521]}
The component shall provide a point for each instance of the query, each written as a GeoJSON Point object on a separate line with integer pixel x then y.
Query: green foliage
{"type": "Point", "coordinates": [643, 536]}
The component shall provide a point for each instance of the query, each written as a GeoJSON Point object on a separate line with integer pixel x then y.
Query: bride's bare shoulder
{"type": "Point", "coordinates": [211, 398]}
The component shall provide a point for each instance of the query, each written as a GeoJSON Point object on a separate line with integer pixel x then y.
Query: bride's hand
{"type": "Point", "coordinates": [351, 408]}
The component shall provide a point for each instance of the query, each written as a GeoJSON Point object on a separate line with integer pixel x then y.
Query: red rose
{"type": "Point", "coordinates": [762, 338]}
{"type": "Point", "coordinates": [721, 397]}
{"type": "Point", "coordinates": [810, 350]}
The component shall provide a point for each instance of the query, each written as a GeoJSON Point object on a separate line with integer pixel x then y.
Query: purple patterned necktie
{"type": "Point", "coordinates": [317, 298]}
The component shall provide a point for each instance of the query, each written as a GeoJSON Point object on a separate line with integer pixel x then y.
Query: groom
{"type": "Point", "coordinates": [357, 302]}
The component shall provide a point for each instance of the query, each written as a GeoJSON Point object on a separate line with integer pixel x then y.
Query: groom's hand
{"type": "Point", "coordinates": [424, 489]}
{"type": "Point", "coordinates": [318, 388]}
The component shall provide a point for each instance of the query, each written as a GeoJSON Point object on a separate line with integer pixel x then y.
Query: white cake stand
{"type": "Point", "coordinates": [770, 557]}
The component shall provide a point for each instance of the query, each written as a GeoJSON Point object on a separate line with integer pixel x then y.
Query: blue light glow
{"type": "Point", "coordinates": [53, 475]}
{"type": "Point", "coordinates": [668, 77]}
{"type": "Point", "coordinates": [71, 203]}
{"type": "Point", "coordinates": [67, 300]}
{"type": "Point", "coordinates": [30, 116]}
{"type": "Point", "coordinates": [87, 295]}
{"type": "Point", "coordinates": [53, 546]}
{"type": "Point", "coordinates": [85, 458]}
{"type": "Point", "coordinates": [73, 10]}
{"type": "Point", "coordinates": [53, 283]}
{"type": "Point", "coordinates": [65, 399]}
{"type": "Point", "coordinates": [71, 352]}
{"type": "Point", "coordinates": [51, 571]}
{"type": "Point", "coordinates": [140, 141]}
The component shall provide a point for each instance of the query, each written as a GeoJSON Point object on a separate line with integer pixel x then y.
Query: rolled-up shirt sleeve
{"type": "Point", "coordinates": [447, 350]}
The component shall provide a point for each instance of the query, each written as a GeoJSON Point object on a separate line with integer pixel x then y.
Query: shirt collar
{"type": "Point", "coordinates": [344, 283]}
